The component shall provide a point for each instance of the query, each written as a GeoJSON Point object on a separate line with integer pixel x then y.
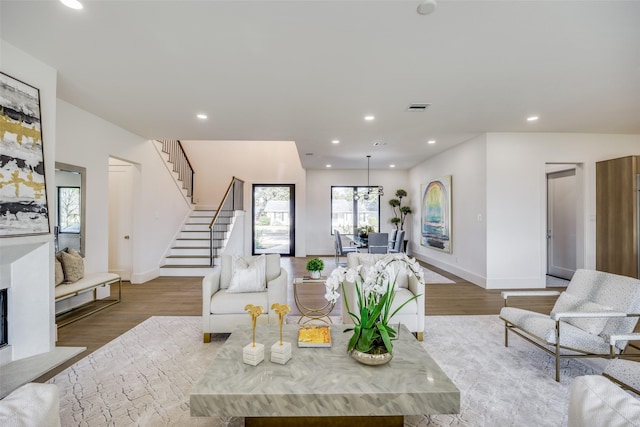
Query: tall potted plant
{"type": "Point", "coordinates": [399, 212]}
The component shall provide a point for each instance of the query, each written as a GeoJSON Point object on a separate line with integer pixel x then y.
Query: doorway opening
{"type": "Point", "coordinates": [273, 228]}
{"type": "Point", "coordinates": [564, 222]}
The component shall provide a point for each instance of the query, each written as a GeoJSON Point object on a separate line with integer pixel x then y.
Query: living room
{"type": "Point", "coordinates": [499, 180]}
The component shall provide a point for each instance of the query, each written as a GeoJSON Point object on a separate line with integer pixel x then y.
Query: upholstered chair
{"type": "Point", "coordinates": [378, 243]}
{"type": "Point", "coordinates": [340, 249]}
{"type": "Point", "coordinates": [236, 282]}
{"type": "Point", "coordinates": [411, 315]}
{"type": "Point", "coordinates": [595, 306]}
{"type": "Point", "coordinates": [595, 401]}
{"type": "Point", "coordinates": [399, 243]}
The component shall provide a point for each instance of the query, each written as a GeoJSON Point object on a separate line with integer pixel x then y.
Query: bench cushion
{"type": "Point", "coordinates": [89, 281]}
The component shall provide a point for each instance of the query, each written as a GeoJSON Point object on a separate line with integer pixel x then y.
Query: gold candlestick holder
{"type": "Point", "coordinates": [281, 351]}
{"type": "Point", "coordinates": [253, 354]}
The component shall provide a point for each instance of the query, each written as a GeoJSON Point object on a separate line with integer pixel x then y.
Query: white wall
{"type": "Point", "coordinates": [499, 202]}
{"type": "Point", "coordinates": [516, 198]}
{"type": "Point", "coordinates": [320, 241]}
{"type": "Point", "coordinates": [39, 333]}
{"type": "Point", "coordinates": [159, 209]}
{"type": "Point", "coordinates": [466, 163]}
{"type": "Point", "coordinates": [255, 162]}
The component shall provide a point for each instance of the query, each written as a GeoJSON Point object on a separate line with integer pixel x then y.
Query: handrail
{"type": "Point", "coordinates": [235, 202]}
{"type": "Point", "coordinates": [181, 164]}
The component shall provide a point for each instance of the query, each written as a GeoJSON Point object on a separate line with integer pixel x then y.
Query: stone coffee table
{"type": "Point", "coordinates": [319, 383]}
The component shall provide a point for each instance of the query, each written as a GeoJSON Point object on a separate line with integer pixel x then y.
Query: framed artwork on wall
{"type": "Point", "coordinates": [436, 214]}
{"type": "Point", "coordinates": [23, 193]}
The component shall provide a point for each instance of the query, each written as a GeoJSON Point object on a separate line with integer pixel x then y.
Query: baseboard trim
{"type": "Point", "coordinates": [137, 278]}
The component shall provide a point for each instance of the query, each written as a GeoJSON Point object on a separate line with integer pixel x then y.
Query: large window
{"type": "Point", "coordinates": [348, 214]}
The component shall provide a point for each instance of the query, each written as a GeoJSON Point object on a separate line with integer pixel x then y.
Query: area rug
{"type": "Point", "coordinates": [143, 377]}
{"type": "Point", "coordinates": [431, 277]}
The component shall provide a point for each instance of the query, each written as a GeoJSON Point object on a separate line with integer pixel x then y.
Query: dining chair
{"type": "Point", "coordinates": [397, 247]}
{"type": "Point", "coordinates": [340, 250]}
{"type": "Point", "coordinates": [392, 238]}
{"type": "Point", "coordinates": [378, 243]}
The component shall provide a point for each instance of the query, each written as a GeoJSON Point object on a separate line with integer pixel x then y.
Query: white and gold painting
{"type": "Point", "coordinates": [23, 195]}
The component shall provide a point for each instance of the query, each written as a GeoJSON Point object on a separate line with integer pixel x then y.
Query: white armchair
{"type": "Point", "coordinates": [222, 310]}
{"type": "Point", "coordinates": [411, 315]}
{"type": "Point", "coordinates": [595, 306]}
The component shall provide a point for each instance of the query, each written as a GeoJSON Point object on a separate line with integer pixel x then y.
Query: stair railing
{"type": "Point", "coordinates": [232, 200]}
{"type": "Point", "coordinates": [181, 164]}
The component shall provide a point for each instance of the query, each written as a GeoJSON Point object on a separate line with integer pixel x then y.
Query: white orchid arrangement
{"type": "Point", "coordinates": [375, 290]}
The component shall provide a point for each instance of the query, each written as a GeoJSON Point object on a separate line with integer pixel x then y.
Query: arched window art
{"type": "Point", "coordinates": [436, 214]}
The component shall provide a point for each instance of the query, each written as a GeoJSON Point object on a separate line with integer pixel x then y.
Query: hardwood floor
{"type": "Point", "coordinates": [172, 296]}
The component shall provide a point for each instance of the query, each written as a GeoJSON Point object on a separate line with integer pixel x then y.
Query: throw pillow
{"type": "Point", "coordinates": [59, 272]}
{"type": "Point", "coordinates": [567, 303]}
{"type": "Point", "coordinates": [248, 276]}
{"type": "Point", "coordinates": [72, 265]}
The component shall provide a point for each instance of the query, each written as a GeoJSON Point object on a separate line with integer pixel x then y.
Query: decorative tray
{"type": "Point", "coordinates": [314, 336]}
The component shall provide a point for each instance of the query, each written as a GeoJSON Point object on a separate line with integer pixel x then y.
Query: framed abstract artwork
{"type": "Point", "coordinates": [436, 214]}
{"type": "Point", "coordinates": [23, 193]}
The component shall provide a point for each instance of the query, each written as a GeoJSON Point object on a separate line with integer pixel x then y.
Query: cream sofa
{"type": "Point", "coordinates": [222, 311]}
{"type": "Point", "coordinates": [411, 315]}
{"type": "Point", "coordinates": [32, 404]}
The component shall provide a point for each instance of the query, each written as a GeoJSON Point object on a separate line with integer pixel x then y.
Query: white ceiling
{"type": "Point", "coordinates": [308, 71]}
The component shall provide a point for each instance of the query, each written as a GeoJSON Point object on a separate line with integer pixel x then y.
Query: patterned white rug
{"type": "Point", "coordinates": [143, 377]}
{"type": "Point", "coordinates": [431, 276]}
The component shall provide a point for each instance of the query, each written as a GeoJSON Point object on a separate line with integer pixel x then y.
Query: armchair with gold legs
{"type": "Point", "coordinates": [595, 306]}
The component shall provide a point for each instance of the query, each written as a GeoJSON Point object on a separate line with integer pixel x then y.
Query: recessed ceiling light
{"type": "Point", "coordinates": [532, 118]}
{"type": "Point", "coordinates": [73, 4]}
{"type": "Point", "coordinates": [369, 118]}
{"type": "Point", "coordinates": [335, 141]}
{"type": "Point", "coordinates": [202, 116]}
{"type": "Point", "coordinates": [392, 166]}
{"type": "Point", "coordinates": [431, 141]}
{"type": "Point", "coordinates": [328, 166]}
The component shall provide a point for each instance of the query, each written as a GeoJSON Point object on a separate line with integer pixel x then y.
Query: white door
{"type": "Point", "coordinates": [562, 193]}
{"type": "Point", "coordinates": [121, 218]}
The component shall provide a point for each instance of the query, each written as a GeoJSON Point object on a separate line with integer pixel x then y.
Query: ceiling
{"type": "Point", "coordinates": [309, 71]}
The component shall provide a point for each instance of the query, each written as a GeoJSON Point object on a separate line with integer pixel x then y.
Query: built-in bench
{"type": "Point", "coordinates": [89, 282]}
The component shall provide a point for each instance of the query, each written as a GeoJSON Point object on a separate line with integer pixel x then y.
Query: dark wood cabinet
{"type": "Point", "coordinates": [617, 216]}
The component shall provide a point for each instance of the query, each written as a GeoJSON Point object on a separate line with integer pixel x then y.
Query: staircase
{"type": "Point", "coordinates": [189, 255]}
{"type": "Point", "coordinates": [196, 251]}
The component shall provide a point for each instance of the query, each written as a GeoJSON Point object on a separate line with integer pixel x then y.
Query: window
{"type": "Point", "coordinates": [69, 209]}
{"type": "Point", "coordinates": [348, 215]}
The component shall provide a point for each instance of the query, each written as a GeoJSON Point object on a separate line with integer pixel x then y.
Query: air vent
{"type": "Point", "coordinates": [418, 107]}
